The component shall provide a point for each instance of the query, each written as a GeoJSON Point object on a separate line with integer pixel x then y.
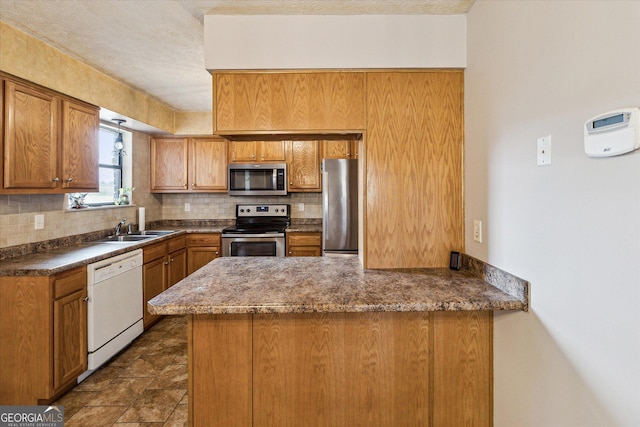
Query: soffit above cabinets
{"type": "Point", "coordinates": [157, 47]}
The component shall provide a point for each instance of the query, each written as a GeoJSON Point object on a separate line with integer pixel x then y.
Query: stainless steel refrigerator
{"type": "Point", "coordinates": [339, 207]}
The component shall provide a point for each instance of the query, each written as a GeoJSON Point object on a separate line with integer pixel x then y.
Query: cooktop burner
{"type": "Point", "coordinates": [264, 219]}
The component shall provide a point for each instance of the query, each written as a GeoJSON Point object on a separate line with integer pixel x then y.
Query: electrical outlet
{"type": "Point", "coordinates": [187, 207]}
{"type": "Point", "coordinates": [39, 220]}
{"type": "Point", "coordinates": [477, 230]}
{"type": "Point", "coordinates": [301, 207]}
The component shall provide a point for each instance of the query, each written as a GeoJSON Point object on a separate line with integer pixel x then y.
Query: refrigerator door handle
{"type": "Point", "coordinates": [325, 204]}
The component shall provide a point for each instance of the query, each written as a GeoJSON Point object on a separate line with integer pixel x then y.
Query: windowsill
{"type": "Point", "coordinates": [97, 208]}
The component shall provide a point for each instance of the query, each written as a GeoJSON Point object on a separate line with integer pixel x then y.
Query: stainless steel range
{"type": "Point", "coordinates": [259, 231]}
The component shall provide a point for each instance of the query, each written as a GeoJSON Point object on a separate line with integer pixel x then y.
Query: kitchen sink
{"type": "Point", "coordinates": [152, 233]}
{"type": "Point", "coordinates": [126, 238]}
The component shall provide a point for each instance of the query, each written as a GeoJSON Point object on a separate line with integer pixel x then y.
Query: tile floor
{"type": "Point", "coordinates": [144, 385]}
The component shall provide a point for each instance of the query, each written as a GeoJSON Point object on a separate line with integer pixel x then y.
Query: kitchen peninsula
{"type": "Point", "coordinates": [273, 341]}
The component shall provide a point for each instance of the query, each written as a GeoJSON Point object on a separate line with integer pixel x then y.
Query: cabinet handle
{"type": "Point", "coordinates": [217, 253]}
{"type": "Point", "coordinates": [85, 299]}
{"type": "Point", "coordinates": [68, 179]}
{"type": "Point", "coordinates": [253, 156]}
{"type": "Point", "coordinates": [56, 179]}
{"type": "Point", "coordinates": [166, 263]}
{"type": "Point", "coordinates": [184, 185]}
{"type": "Point", "coordinates": [171, 259]}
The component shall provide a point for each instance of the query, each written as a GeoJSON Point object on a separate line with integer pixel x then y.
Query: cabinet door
{"type": "Point", "coordinates": [168, 165]}
{"type": "Point", "coordinates": [177, 267]}
{"type": "Point", "coordinates": [243, 151]}
{"type": "Point", "coordinates": [304, 166]}
{"type": "Point", "coordinates": [70, 338]}
{"type": "Point", "coordinates": [154, 279]}
{"type": "Point", "coordinates": [199, 256]}
{"type": "Point", "coordinates": [304, 244]}
{"type": "Point", "coordinates": [30, 138]}
{"type": "Point", "coordinates": [272, 151]}
{"type": "Point", "coordinates": [208, 164]}
{"type": "Point", "coordinates": [79, 159]}
{"type": "Point", "coordinates": [338, 149]}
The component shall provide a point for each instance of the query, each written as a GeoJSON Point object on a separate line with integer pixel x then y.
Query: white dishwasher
{"type": "Point", "coordinates": [115, 306]}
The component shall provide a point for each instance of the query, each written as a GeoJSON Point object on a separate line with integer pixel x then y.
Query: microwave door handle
{"type": "Point", "coordinates": [274, 179]}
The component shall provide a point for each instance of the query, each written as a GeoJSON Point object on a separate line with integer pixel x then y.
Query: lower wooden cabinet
{"type": "Point", "coordinates": [69, 328]}
{"type": "Point", "coordinates": [304, 244]}
{"type": "Point", "coordinates": [202, 249]}
{"type": "Point", "coordinates": [43, 336]}
{"type": "Point", "coordinates": [165, 264]}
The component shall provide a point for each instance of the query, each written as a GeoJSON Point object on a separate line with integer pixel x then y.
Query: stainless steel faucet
{"type": "Point", "coordinates": [119, 226]}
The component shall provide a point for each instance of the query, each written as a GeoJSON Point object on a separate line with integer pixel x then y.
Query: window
{"type": "Point", "coordinates": [112, 171]}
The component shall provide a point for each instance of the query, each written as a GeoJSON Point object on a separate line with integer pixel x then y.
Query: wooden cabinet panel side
{"type": "Point", "coordinates": [221, 370]}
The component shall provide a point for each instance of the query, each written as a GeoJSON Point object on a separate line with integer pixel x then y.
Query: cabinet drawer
{"type": "Point", "coordinates": [212, 239]}
{"type": "Point", "coordinates": [305, 239]}
{"type": "Point", "coordinates": [69, 282]}
{"type": "Point", "coordinates": [152, 252]}
{"type": "Point", "coordinates": [176, 244]}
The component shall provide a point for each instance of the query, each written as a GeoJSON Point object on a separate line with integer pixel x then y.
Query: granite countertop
{"type": "Point", "coordinates": [325, 284]}
{"type": "Point", "coordinates": [304, 228]}
{"type": "Point", "coordinates": [54, 260]}
{"type": "Point", "coordinates": [58, 260]}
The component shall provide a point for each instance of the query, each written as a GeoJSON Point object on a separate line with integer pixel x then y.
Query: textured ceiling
{"type": "Point", "coordinates": [157, 46]}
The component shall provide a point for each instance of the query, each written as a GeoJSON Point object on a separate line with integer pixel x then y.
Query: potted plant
{"type": "Point", "coordinates": [76, 200]}
{"type": "Point", "coordinates": [123, 195]}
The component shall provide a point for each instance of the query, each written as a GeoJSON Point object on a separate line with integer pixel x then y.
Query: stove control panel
{"type": "Point", "coordinates": [262, 210]}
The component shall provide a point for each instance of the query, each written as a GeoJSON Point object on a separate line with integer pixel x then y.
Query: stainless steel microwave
{"type": "Point", "coordinates": [257, 179]}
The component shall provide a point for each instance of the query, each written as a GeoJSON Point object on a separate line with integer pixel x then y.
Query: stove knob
{"type": "Point", "coordinates": [241, 210]}
{"type": "Point", "coordinates": [248, 210]}
{"type": "Point", "coordinates": [276, 210]}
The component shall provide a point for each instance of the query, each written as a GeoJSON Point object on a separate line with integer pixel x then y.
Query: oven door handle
{"type": "Point", "coordinates": [259, 235]}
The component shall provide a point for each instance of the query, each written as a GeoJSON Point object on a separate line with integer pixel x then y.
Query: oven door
{"type": "Point", "coordinates": [253, 245]}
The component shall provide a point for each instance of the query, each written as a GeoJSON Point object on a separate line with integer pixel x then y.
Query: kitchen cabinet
{"type": "Point", "coordinates": [50, 142]}
{"type": "Point", "coordinates": [413, 207]}
{"type": "Point", "coordinates": [253, 102]}
{"type": "Point", "coordinates": [256, 151]}
{"type": "Point", "coordinates": [164, 265]}
{"type": "Point", "coordinates": [43, 336]}
{"type": "Point", "coordinates": [303, 160]}
{"type": "Point", "coordinates": [188, 165]}
{"type": "Point", "coordinates": [340, 149]}
{"type": "Point", "coordinates": [202, 248]}
{"type": "Point", "coordinates": [69, 327]}
{"type": "Point", "coordinates": [304, 244]}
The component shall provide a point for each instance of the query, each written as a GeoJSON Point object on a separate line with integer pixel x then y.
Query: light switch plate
{"type": "Point", "coordinates": [477, 230]}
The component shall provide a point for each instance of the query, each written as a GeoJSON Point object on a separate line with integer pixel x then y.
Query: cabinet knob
{"type": "Point", "coordinates": [184, 185]}
{"type": "Point", "coordinates": [166, 263]}
{"type": "Point", "coordinates": [171, 259]}
{"type": "Point", "coordinates": [56, 179]}
{"type": "Point", "coordinates": [68, 179]}
{"type": "Point", "coordinates": [85, 299]}
{"type": "Point", "coordinates": [217, 253]}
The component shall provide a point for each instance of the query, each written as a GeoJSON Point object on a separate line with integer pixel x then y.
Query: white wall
{"type": "Point", "coordinates": [573, 228]}
{"type": "Point", "coordinates": [318, 41]}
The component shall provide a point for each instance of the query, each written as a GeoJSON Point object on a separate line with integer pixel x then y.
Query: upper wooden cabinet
{"type": "Point", "coordinates": [250, 102]}
{"type": "Point", "coordinates": [50, 142]}
{"type": "Point", "coordinates": [79, 165]}
{"type": "Point", "coordinates": [303, 160]}
{"type": "Point", "coordinates": [188, 164]}
{"type": "Point", "coordinates": [256, 151]}
{"type": "Point", "coordinates": [340, 149]}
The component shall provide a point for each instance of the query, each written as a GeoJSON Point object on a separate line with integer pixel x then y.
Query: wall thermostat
{"type": "Point", "coordinates": [613, 133]}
